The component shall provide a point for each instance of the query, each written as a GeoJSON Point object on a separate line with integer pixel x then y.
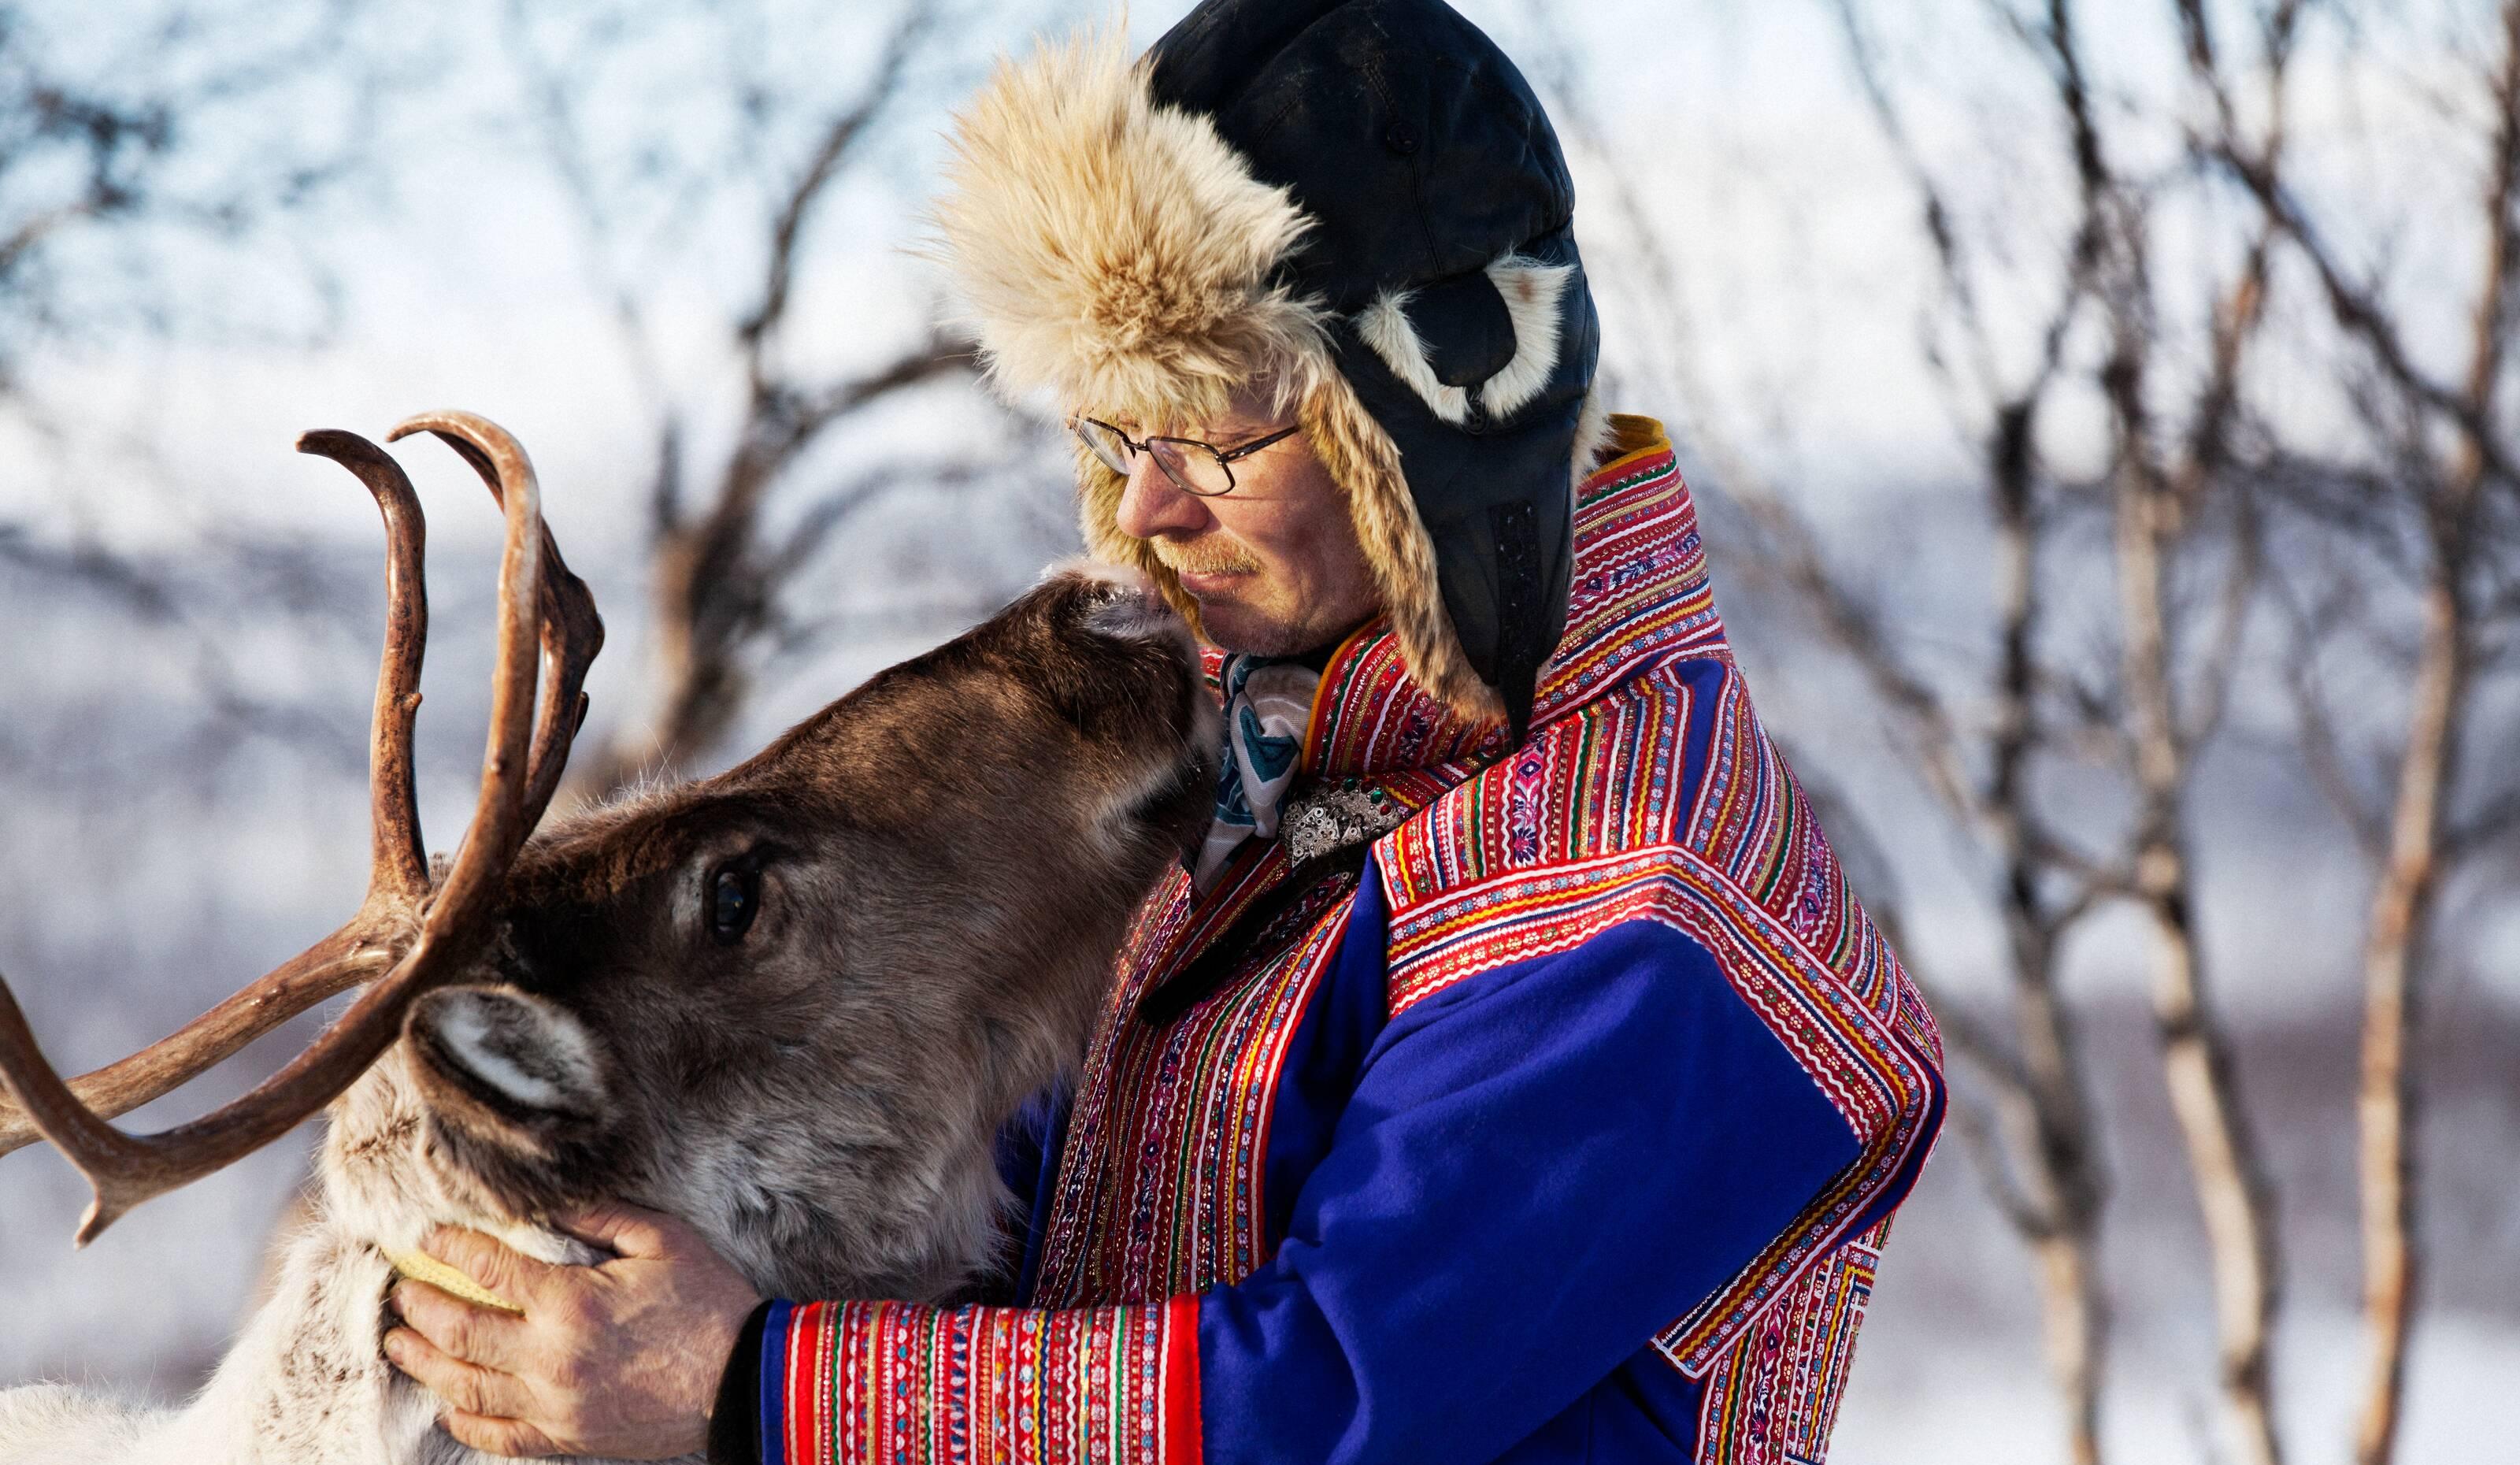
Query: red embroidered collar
{"type": "Point", "coordinates": [1640, 594]}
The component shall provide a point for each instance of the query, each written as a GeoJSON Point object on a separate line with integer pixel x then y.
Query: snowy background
{"type": "Point", "coordinates": [556, 214]}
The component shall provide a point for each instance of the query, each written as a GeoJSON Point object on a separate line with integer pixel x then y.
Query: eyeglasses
{"type": "Point", "coordinates": [1194, 466]}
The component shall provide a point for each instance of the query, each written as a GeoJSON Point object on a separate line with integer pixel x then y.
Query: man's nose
{"type": "Point", "coordinates": [1152, 506]}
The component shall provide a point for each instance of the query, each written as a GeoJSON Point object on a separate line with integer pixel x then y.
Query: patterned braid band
{"type": "Point", "coordinates": [897, 1382]}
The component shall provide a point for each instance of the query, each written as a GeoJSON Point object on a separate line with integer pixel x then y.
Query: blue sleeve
{"type": "Point", "coordinates": [1535, 1171]}
{"type": "Point", "coordinates": [1028, 1150]}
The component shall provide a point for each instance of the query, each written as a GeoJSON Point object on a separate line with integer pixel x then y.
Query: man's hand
{"type": "Point", "coordinates": [621, 1360]}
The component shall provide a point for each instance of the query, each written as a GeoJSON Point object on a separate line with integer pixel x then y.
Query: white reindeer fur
{"type": "Point", "coordinates": [304, 1383]}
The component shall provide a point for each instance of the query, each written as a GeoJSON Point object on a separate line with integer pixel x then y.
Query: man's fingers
{"type": "Point", "coordinates": [471, 1335]}
{"type": "Point", "coordinates": [631, 1233]}
{"type": "Point", "coordinates": [461, 1386]}
{"type": "Point", "coordinates": [504, 1272]}
{"type": "Point", "coordinates": [513, 1437]}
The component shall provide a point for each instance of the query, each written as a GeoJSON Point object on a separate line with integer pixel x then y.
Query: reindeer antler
{"type": "Point", "coordinates": [571, 632]}
{"type": "Point", "coordinates": [419, 939]}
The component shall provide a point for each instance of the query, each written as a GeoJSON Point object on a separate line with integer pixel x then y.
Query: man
{"type": "Point", "coordinates": [1513, 1076]}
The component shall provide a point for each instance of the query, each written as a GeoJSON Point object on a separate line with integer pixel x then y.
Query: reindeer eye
{"type": "Point", "coordinates": [734, 899]}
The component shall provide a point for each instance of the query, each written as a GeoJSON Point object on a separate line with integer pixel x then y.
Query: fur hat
{"type": "Point", "coordinates": [1358, 201]}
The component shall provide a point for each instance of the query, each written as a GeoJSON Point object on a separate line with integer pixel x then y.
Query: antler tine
{"type": "Point", "coordinates": [573, 633]}
{"type": "Point", "coordinates": [126, 1170]}
{"type": "Point", "coordinates": [397, 882]}
{"type": "Point", "coordinates": [400, 856]}
{"type": "Point", "coordinates": [340, 961]}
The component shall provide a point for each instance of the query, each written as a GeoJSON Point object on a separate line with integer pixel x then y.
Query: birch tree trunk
{"type": "Point", "coordinates": [2049, 1112]}
{"type": "Point", "coordinates": [2385, 1103]}
{"type": "Point", "coordinates": [2427, 771]}
{"type": "Point", "coordinates": [2223, 1155]}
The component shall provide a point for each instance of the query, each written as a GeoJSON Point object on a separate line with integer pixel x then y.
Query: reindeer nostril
{"type": "Point", "coordinates": [1137, 612]}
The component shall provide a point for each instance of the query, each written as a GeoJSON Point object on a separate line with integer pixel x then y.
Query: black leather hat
{"type": "Point", "coordinates": [1359, 200]}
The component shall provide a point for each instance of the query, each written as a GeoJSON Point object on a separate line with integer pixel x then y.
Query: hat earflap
{"type": "Point", "coordinates": [1364, 463]}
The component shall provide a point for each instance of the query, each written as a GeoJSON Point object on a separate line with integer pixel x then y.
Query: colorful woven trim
{"type": "Point", "coordinates": [894, 1382]}
{"type": "Point", "coordinates": [1160, 1184]}
{"type": "Point", "coordinates": [1751, 820]}
{"type": "Point", "coordinates": [1640, 594]}
{"type": "Point", "coordinates": [1774, 1399]}
{"type": "Point", "coordinates": [1607, 779]}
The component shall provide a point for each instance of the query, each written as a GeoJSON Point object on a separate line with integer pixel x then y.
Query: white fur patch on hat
{"type": "Point", "coordinates": [1116, 251]}
{"type": "Point", "coordinates": [1534, 300]}
{"type": "Point", "coordinates": [1534, 295]}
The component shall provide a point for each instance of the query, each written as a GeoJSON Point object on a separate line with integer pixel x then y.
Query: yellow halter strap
{"type": "Point", "coordinates": [419, 1266]}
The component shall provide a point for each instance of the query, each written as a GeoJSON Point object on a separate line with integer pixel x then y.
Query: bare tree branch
{"type": "Point", "coordinates": [719, 576]}
{"type": "Point", "coordinates": [2420, 833]}
{"type": "Point", "coordinates": [839, 136]}
{"type": "Point", "coordinates": [2321, 748]}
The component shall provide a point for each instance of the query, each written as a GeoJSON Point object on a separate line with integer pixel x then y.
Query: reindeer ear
{"type": "Point", "coordinates": [510, 1058]}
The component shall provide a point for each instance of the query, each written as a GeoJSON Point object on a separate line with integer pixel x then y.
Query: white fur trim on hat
{"type": "Point", "coordinates": [1534, 301]}
{"type": "Point", "coordinates": [1117, 251]}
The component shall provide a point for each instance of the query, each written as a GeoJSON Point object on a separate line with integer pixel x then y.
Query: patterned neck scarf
{"type": "Point", "coordinates": [1268, 703]}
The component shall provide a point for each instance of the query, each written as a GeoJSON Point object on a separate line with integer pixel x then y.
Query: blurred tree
{"type": "Point", "coordinates": [2431, 487]}
{"type": "Point", "coordinates": [724, 567]}
{"type": "Point", "coordinates": [129, 136]}
{"type": "Point", "coordinates": [2105, 273]}
{"type": "Point", "coordinates": [136, 143]}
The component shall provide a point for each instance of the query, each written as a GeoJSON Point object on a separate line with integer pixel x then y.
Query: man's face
{"type": "Point", "coordinates": [1275, 564]}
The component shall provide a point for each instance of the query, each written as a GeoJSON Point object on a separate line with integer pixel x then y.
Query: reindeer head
{"type": "Point", "coordinates": [793, 1004]}
{"type": "Point", "coordinates": [790, 1004]}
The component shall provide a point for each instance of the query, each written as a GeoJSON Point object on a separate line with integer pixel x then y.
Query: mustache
{"type": "Point", "coordinates": [1206, 557]}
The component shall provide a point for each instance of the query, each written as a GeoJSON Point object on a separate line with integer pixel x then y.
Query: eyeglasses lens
{"type": "Point", "coordinates": [1107, 445]}
{"type": "Point", "coordinates": [1193, 469]}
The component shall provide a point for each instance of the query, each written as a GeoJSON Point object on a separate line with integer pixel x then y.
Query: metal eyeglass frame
{"type": "Point", "coordinates": [1224, 456]}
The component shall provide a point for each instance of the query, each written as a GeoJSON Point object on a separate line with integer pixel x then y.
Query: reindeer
{"type": "Point", "coordinates": [791, 1004]}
